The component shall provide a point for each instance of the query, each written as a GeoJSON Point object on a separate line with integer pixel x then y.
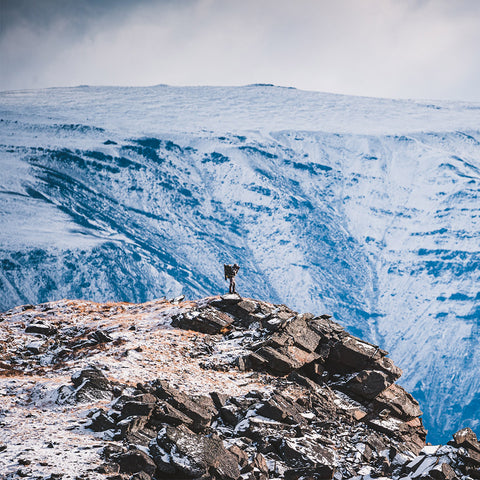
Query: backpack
{"type": "Point", "coordinates": [228, 269]}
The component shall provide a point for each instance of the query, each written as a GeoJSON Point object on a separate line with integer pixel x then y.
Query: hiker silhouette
{"type": "Point", "coordinates": [230, 272]}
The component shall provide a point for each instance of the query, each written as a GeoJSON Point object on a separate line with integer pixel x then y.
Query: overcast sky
{"type": "Point", "coordinates": [382, 48]}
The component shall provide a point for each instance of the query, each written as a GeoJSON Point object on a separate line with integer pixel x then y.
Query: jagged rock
{"type": "Point", "coordinates": [301, 453]}
{"type": "Point", "coordinates": [466, 438]}
{"type": "Point", "coordinates": [280, 409]}
{"type": "Point", "coordinates": [93, 377]}
{"type": "Point", "coordinates": [209, 321]}
{"type": "Point", "coordinates": [248, 311]}
{"type": "Point", "coordinates": [113, 450]}
{"type": "Point", "coordinates": [330, 332]}
{"type": "Point", "coordinates": [219, 399]}
{"type": "Point", "coordinates": [243, 310]}
{"type": "Point", "coordinates": [442, 471]}
{"type": "Point", "coordinates": [35, 348]}
{"type": "Point", "coordinates": [412, 434]}
{"type": "Point", "coordinates": [302, 380]}
{"type": "Point", "coordinates": [90, 384]}
{"type": "Point", "coordinates": [260, 463]}
{"type": "Point", "coordinates": [195, 455]}
{"type": "Point", "coordinates": [284, 361]}
{"type": "Point", "coordinates": [141, 437]}
{"type": "Point", "coordinates": [337, 406]}
{"type": "Point", "coordinates": [354, 354]}
{"type": "Point", "coordinates": [42, 328]}
{"type": "Point", "coordinates": [241, 457]}
{"type": "Point", "coordinates": [99, 336]}
{"type": "Point", "coordinates": [107, 468]}
{"type": "Point", "coordinates": [130, 425]}
{"type": "Point", "coordinates": [121, 400]}
{"type": "Point", "coordinates": [165, 413]}
{"type": "Point", "coordinates": [399, 402]}
{"type": "Point", "coordinates": [101, 421]}
{"type": "Point", "coordinates": [229, 414]}
{"type": "Point", "coordinates": [368, 383]}
{"type": "Point", "coordinates": [137, 408]}
{"type": "Point", "coordinates": [471, 457]}
{"type": "Point", "coordinates": [135, 461]}
{"type": "Point", "coordinates": [303, 336]}
{"type": "Point", "coordinates": [201, 411]}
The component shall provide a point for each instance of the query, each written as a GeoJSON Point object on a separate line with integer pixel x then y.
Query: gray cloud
{"type": "Point", "coordinates": [410, 48]}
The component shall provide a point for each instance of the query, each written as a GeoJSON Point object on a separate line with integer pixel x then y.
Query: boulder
{"type": "Point", "coordinates": [303, 452]}
{"type": "Point", "coordinates": [399, 402]}
{"type": "Point", "coordinates": [442, 471]}
{"type": "Point", "coordinates": [368, 383]}
{"type": "Point", "coordinates": [244, 310]}
{"type": "Point", "coordinates": [240, 455]}
{"type": "Point", "coordinates": [35, 348]}
{"type": "Point", "coordinates": [130, 425]}
{"type": "Point", "coordinates": [303, 336]}
{"type": "Point", "coordinates": [353, 353]}
{"type": "Point", "coordinates": [285, 360]}
{"type": "Point", "coordinates": [166, 413]}
{"type": "Point", "coordinates": [91, 376]}
{"type": "Point", "coordinates": [329, 331]}
{"type": "Point", "coordinates": [91, 384]}
{"type": "Point", "coordinates": [412, 434]}
{"type": "Point", "coordinates": [101, 421]}
{"type": "Point", "coordinates": [137, 408]}
{"type": "Point", "coordinates": [135, 461]}
{"type": "Point", "coordinates": [42, 328]}
{"type": "Point", "coordinates": [141, 437]}
{"type": "Point", "coordinates": [260, 463]}
{"type": "Point", "coordinates": [276, 362]}
{"type": "Point", "coordinates": [210, 320]}
{"type": "Point", "coordinates": [201, 409]}
{"type": "Point", "coordinates": [466, 438]}
{"type": "Point", "coordinates": [196, 455]}
{"type": "Point", "coordinates": [278, 408]}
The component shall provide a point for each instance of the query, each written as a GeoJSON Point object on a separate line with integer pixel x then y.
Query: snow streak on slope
{"type": "Point", "coordinates": [367, 208]}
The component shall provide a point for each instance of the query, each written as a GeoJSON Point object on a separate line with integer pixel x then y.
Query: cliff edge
{"type": "Point", "coordinates": [219, 388]}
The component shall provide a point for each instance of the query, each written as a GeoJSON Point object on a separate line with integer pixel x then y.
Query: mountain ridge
{"type": "Point", "coordinates": [364, 208]}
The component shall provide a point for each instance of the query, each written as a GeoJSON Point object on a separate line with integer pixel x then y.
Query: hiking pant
{"type": "Point", "coordinates": [232, 285]}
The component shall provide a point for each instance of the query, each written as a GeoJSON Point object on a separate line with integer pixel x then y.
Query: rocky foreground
{"type": "Point", "coordinates": [222, 388]}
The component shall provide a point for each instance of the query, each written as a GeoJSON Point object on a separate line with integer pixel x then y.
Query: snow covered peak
{"type": "Point", "coordinates": [252, 108]}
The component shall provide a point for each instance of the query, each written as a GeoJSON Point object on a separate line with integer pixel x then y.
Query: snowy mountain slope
{"type": "Point", "coordinates": [365, 207]}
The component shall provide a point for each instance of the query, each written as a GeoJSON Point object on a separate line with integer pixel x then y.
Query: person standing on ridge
{"type": "Point", "coordinates": [230, 272]}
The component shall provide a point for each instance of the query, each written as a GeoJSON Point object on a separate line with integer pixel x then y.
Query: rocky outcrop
{"type": "Point", "coordinates": [315, 402]}
{"type": "Point", "coordinates": [334, 408]}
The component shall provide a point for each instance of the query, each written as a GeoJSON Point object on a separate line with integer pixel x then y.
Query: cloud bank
{"type": "Point", "coordinates": [389, 48]}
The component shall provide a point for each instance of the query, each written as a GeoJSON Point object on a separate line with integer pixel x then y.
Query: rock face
{"type": "Point", "coordinates": [319, 403]}
{"type": "Point", "coordinates": [334, 408]}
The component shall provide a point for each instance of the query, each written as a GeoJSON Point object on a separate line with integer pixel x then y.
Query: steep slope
{"type": "Point", "coordinates": [365, 208]}
{"type": "Point", "coordinates": [222, 388]}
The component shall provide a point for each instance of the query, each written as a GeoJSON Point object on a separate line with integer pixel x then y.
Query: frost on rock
{"type": "Point", "coordinates": [171, 401]}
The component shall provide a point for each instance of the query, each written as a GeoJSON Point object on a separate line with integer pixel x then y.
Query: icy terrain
{"type": "Point", "coordinates": [366, 208]}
